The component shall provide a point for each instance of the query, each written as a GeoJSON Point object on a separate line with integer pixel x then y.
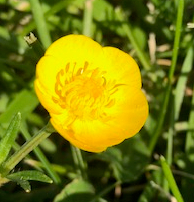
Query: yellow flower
{"type": "Point", "coordinates": [93, 93]}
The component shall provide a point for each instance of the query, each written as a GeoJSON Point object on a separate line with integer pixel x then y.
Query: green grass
{"type": "Point", "coordinates": [156, 35]}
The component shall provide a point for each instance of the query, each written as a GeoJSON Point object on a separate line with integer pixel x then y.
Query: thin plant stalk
{"type": "Point", "coordinates": [41, 156]}
{"type": "Point", "coordinates": [170, 137]}
{"type": "Point", "coordinates": [170, 134]}
{"type": "Point", "coordinates": [190, 133]}
{"type": "Point", "coordinates": [170, 76]}
{"type": "Point", "coordinates": [41, 25]}
{"type": "Point", "coordinates": [26, 149]}
{"type": "Point", "coordinates": [79, 162]}
{"type": "Point", "coordinates": [87, 18]}
{"type": "Point", "coordinates": [172, 183]}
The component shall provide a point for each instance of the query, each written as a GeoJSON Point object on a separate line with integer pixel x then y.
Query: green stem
{"type": "Point", "coordinates": [105, 191]}
{"type": "Point", "coordinates": [26, 149]}
{"type": "Point", "coordinates": [41, 25]}
{"type": "Point", "coordinates": [176, 40]}
{"type": "Point", "coordinates": [87, 18]}
{"type": "Point", "coordinates": [170, 136]}
{"type": "Point", "coordinates": [161, 119]}
{"type": "Point", "coordinates": [128, 31]}
{"type": "Point", "coordinates": [79, 162]}
{"type": "Point", "coordinates": [190, 133]}
{"type": "Point", "coordinates": [170, 76]}
{"type": "Point", "coordinates": [169, 151]}
{"type": "Point", "coordinates": [172, 183]}
{"type": "Point", "coordinates": [46, 164]}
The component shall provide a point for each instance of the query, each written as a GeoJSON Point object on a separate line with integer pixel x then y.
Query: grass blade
{"type": "Point", "coordinates": [40, 23]}
{"type": "Point", "coordinates": [9, 138]}
{"type": "Point", "coordinates": [87, 19]}
{"type": "Point", "coordinates": [181, 84]}
{"type": "Point", "coordinates": [172, 183]}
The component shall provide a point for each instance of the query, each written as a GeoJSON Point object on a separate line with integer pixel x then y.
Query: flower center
{"type": "Point", "coordinates": [85, 93]}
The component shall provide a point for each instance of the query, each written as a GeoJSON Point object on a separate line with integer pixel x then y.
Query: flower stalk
{"type": "Point", "coordinates": [79, 162]}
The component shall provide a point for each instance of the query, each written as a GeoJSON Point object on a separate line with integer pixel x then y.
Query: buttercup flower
{"type": "Point", "coordinates": [92, 93]}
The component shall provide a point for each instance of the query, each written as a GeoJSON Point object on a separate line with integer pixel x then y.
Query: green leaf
{"type": "Point", "coordinates": [30, 175]}
{"type": "Point", "coordinates": [9, 137]}
{"type": "Point", "coordinates": [77, 191]}
{"type": "Point", "coordinates": [128, 159]}
{"type": "Point", "coordinates": [25, 102]}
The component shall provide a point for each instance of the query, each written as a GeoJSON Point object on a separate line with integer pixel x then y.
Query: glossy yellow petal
{"type": "Point", "coordinates": [47, 69]}
{"type": "Point", "coordinates": [92, 136]}
{"type": "Point", "coordinates": [75, 49]}
{"type": "Point", "coordinates": [121, 67]}
{"type": "Point", "coordinates": [124, 121]}
{"type": "Point", "coordinates": [45, 98]}
{"type": "Point", "coordinates": [130, 111]}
